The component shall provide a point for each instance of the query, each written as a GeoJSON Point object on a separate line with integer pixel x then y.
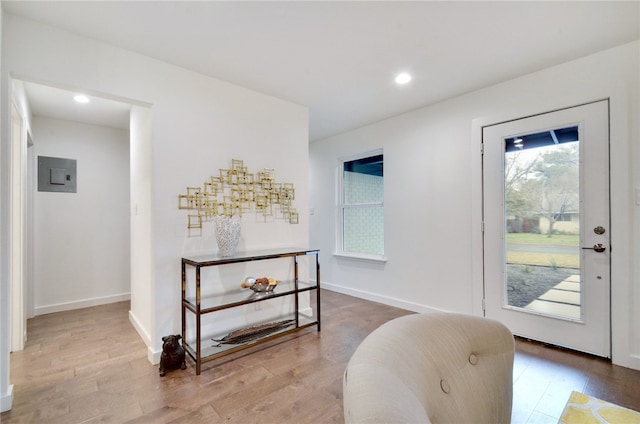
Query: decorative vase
{"type": "Point", "coordinates": [227, 235]}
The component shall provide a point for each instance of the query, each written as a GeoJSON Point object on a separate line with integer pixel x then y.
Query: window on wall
{"type": "Point", "coordinates": [361, 209]}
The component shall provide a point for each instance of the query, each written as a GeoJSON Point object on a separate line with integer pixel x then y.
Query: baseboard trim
{"type": "Point", "coordinates": [79, 304]}
{"type": "Point", "coordinates": [385, 300]}
{"type": "Point", "coordinates": [634, 362]}
{"type": "Point", "coordinates": [152, 356]}
{"type": "Point", "coordinates": [6, 401]}
{"type": "Point", "coordinates": [307, 312]}
{"type": "Point", "coordinates": [146, 338]}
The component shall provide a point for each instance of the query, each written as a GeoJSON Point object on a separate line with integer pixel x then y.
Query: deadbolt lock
{"type": "Point", "coordinates": [599, 230]}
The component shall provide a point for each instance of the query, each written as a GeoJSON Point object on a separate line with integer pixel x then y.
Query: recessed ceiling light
{"type": "Point", "coordinates": [403, 78]}
{"type": "Point", "coordinates": [81, 98]}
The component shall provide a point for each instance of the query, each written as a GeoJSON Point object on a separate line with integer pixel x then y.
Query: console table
{"type": "Point", "coordinates": [203, 349]}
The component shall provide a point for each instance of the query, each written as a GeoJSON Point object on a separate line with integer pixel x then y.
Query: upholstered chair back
{"type": "Point", "coordinates": [437, 368]}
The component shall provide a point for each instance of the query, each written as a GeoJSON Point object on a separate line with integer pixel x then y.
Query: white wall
{"type": "Point", "coordinates": [198, 125]}
{"type": "Point", "coordinates": [142, 305]}
{"type": "Point", "coordinates": [6, 389]}
{"type": "Point", "coordinates": [433, 185]}
{"type": "Point", "coordinates": [81, 240]}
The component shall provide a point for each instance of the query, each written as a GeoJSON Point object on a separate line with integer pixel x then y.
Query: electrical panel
{"type": "Point", "coordinates": [57, 174]}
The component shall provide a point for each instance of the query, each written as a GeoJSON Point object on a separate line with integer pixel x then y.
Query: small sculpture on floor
{"type": "Point", "coordinates": [172, 354]}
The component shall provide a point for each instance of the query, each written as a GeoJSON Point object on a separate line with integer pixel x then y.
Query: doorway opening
{"type": "Point", "coordinates": [76, 245]}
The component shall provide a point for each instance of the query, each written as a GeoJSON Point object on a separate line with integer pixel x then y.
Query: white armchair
{"type": "Point", "coordinates": [432, 368]}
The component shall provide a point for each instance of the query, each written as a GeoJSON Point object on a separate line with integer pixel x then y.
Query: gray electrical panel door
{"type": "Point", "coordinates": [56, 174]}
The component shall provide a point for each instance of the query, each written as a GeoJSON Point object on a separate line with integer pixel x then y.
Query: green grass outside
{"type": "Point", "coordinates": [543, 259]}
{"type": "Point", "coordinates": [542, 239]}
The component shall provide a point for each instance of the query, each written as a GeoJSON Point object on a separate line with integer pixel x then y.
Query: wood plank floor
{"type": "Point", "coordinates": [89, 366]}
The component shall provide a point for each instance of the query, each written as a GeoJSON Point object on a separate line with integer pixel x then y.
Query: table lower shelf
{"type": "Point", "coordinates": [211, 349]}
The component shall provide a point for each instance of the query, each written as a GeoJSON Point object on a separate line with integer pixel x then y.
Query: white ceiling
{"type": "Point", "coordinates": [58, 103]}
{"type": "Point", "coordinates": [339, 58]}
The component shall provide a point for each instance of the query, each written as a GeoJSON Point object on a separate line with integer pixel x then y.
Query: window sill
{"type": "Point", "coordinates": [361, 257]}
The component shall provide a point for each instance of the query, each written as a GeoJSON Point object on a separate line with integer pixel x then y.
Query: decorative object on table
{"type": "Point", "coordinates": [235, 191]}
{"type": "Point", "coordinates": [581, 408]}
{"type": "Point", "coordinates": [172, 354]}
{"type": "Point", "coordinates": [259, 285]}
{"type": "Point", "coordinates": [227, 235]}
{"type": "Point", "coordinates": [248, 334]}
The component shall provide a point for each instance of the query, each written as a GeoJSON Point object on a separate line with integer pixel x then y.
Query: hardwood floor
{"type": "Point", "coordinates": [89, 365]}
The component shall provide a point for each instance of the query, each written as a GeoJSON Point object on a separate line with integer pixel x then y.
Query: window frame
{"type": "Point", "coordinates": [341, 206]}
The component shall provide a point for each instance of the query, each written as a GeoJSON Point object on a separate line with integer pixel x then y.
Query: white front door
{"type": "Point", "coordinates": [546, 226]}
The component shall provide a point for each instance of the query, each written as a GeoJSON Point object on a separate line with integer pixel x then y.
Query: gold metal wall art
{"type": "Point", "coordinates": [235, 191]}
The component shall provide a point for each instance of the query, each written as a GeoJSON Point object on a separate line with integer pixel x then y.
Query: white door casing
{"type": "Point", "coordinates": [16, 230]}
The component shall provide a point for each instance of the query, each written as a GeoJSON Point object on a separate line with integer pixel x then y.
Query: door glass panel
{"type": "Point", "coordinates": [542, 223]}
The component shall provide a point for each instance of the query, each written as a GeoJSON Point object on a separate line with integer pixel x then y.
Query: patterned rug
{"type": "Point", "coordinates": [583, 409]}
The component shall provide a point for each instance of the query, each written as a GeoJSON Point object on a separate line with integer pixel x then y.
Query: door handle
{"type": "Point", "coordinates": [598, 247]}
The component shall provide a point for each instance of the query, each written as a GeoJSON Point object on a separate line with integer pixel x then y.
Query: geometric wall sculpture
{"type": "Point", "coordinates": [236, 190]}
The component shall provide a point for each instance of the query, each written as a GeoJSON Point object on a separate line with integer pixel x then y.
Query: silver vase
{"type": "Point", "coordinates": [227, 235]}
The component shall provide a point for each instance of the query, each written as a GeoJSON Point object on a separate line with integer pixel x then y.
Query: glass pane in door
{"type": "Point", "coordinates": [542, 223]}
